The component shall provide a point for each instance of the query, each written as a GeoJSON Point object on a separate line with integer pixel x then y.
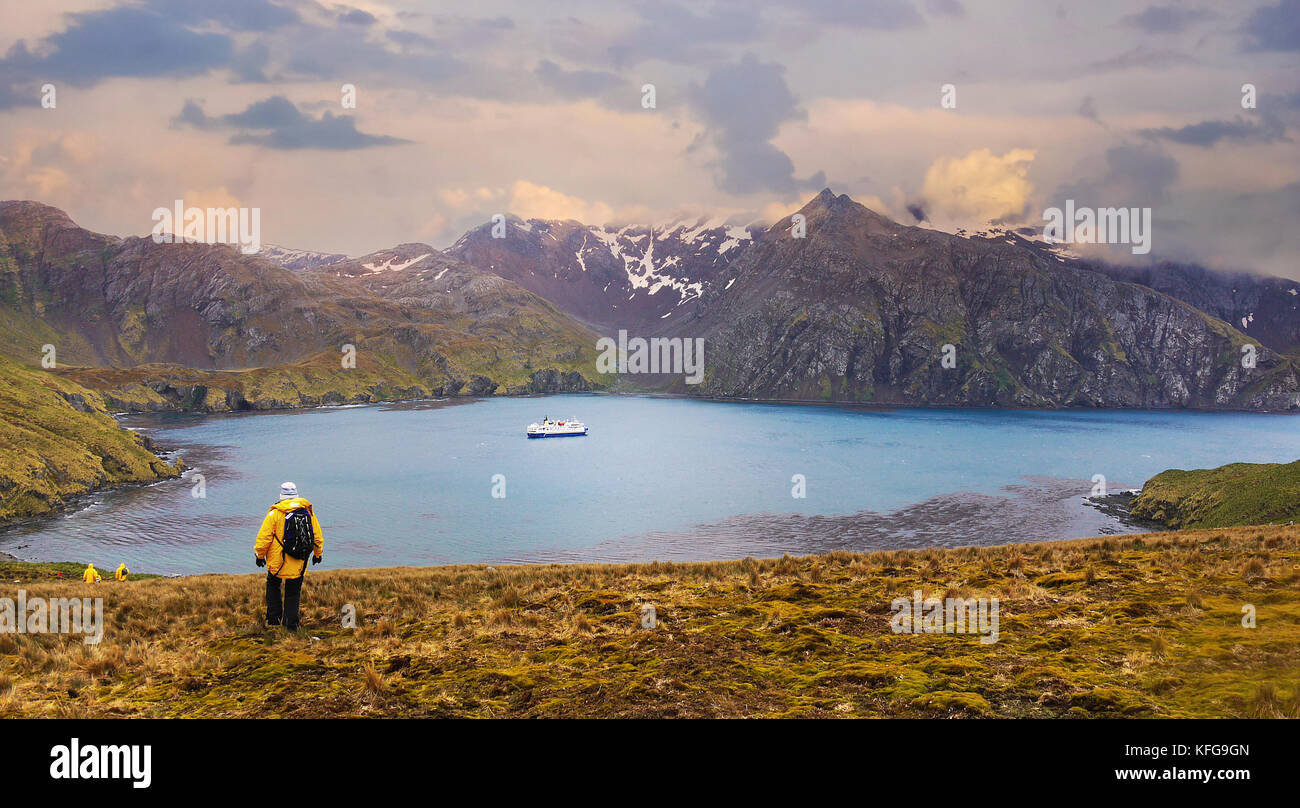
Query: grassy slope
{"type": "Point", "coordinates": [50, 449]}
{"type": "Point", "coordinates": [1144, 625]}
{"type": "Point", "coordinates": [320, 380]}
{"type": "Point", "coordinates": [312, 382]}
{"type": "Point", "coordinates": [404, 349]}
{"type": "Point", "coordinates": [25, 572]}
{"type": "Point", "coordinates": [1236, 494]}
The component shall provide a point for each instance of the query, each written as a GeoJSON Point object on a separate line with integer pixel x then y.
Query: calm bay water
{"type": "Point", "coordinates": [656, 479]}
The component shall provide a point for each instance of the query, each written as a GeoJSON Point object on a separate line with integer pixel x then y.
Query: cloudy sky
{"type": "Point", "coordinates": [536, 108]}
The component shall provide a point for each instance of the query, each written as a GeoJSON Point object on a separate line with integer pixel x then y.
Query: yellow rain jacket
{"type": "Point", "coordinates": [121, 573]}
{"type": "Point", "coordinates": [270, 539]}
{"type": "Point", "coordinates": [91, 575]}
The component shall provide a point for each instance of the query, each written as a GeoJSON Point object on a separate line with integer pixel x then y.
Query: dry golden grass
{"type": "Point", "coordinates": [1146, 625]}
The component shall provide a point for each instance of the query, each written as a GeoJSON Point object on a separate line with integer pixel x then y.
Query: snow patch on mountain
{"type": "Point", "coordinates": [609, 239]}
{"type": "Point", "coordinates": [393, 264]}
{"type": "Point", "coordinates": [299, 259]}
{"type": "Point", "coordinates": [653, 269]}
{"type": "Point", "coordinates": [735, 235]}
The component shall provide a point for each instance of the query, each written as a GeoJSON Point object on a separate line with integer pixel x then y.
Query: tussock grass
{"type": "Point", "coordinates": [1235, 494]}
{"type": "Point", "coordinates": [1121, 626]}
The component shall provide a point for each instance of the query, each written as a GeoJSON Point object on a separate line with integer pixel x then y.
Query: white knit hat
{"type": "Point", "coordinates": [288, 491]}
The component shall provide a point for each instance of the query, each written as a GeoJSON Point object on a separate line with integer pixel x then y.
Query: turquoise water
{"type": "Point", "coordinates": [656, 478]}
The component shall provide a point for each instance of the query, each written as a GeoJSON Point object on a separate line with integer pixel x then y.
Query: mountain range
{"type": "Point", "coordinates": [857, 309]}
{"type": "Point", "coordinates": [202, 326]}
{"type": "Point", "coordinates": [860, 309]}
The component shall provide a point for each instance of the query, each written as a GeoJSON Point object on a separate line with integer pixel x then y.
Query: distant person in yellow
{"type": "Point", "coordinates": [289, 535]}
{"type": "Point", "coordinates": [91, 575]}
{"type": "Point", "coordinates": [122, 572]}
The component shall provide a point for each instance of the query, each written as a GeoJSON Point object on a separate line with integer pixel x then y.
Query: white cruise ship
{"type": "Point", "coordinates": [557, 429]}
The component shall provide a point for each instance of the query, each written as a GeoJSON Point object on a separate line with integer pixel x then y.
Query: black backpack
{"type": "Point", "coordinates": [299, 540]}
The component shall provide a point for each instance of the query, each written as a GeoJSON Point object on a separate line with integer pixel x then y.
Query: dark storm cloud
{"type": "Point", "coordinates": [1207, 133]}
{"type": "Point", "coordinates": [277, 124]}
{"type": "Point", "coordinates": [121, 42]}
{"type": "Point", "coordinates": [1275, 28]}
{"type": "Point", "coordinates": [743, 106]}
{"type": "Point", "coordinates": [575, 83]}
{"type": "Point", "coordinates": [184, 38]}
{"type": "Point", "coordinates": [1145, 173]}
{"type": "Point", "coordinates": [1166, 19]}
{"type": "Point", "coordinates": [156, 39]}
{"type": "Point", "coordinates": [1135, 175]}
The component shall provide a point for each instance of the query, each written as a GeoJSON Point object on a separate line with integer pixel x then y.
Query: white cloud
{"type": "Point", "coordinates": [978, 188]}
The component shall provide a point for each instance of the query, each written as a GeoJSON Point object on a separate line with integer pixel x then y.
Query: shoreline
{"type": "Point", "coordinates": [793, 402]}
{"type": "Point", "coordinates": [524, 564]}
{"type": "Point", "coordinates": [954, 520]}
{"type": "Point", "coordinates": [76, 503]}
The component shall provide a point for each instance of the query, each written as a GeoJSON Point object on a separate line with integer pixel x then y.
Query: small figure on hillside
{"type": "Point", "coordinates": [290, 534]}
{"type": "Point", "coordinates": [122, 572]}
{"type": "Point", "coordinates": [91, 575]}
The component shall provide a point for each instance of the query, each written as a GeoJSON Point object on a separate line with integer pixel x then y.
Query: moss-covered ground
{"type": "Point", "coordinates": [1131, 626]}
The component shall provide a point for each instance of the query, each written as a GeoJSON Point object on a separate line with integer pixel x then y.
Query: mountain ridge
{"type": "Point", "coordinates": [859, 310]}
{"type": "Point", "coordinates": [632, 275]}
{"type": "Point", "coordinates": [862, 309]}
{"type": "Point", "coordinates": [104, 301]}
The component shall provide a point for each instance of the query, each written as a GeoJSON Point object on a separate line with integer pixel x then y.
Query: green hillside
{"type": "Point", "coordinates": [1236, 494]}
{"type": "Point", "coordinates": [57, 441]}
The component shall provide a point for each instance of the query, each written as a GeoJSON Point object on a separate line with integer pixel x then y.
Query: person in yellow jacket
{"type": "Point", "coordinates": [280, 566]}
{"type": "Point", "coordinates": [91, 575]}
{"type": "Point", "coordinates": [122, 572]}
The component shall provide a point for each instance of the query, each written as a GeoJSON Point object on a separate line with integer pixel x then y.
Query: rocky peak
{"type": "Point", "coordinates": [837, 216]}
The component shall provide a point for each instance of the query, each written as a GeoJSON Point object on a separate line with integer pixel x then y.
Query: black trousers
{"type": "Point", "coordinates": [288, 611]}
